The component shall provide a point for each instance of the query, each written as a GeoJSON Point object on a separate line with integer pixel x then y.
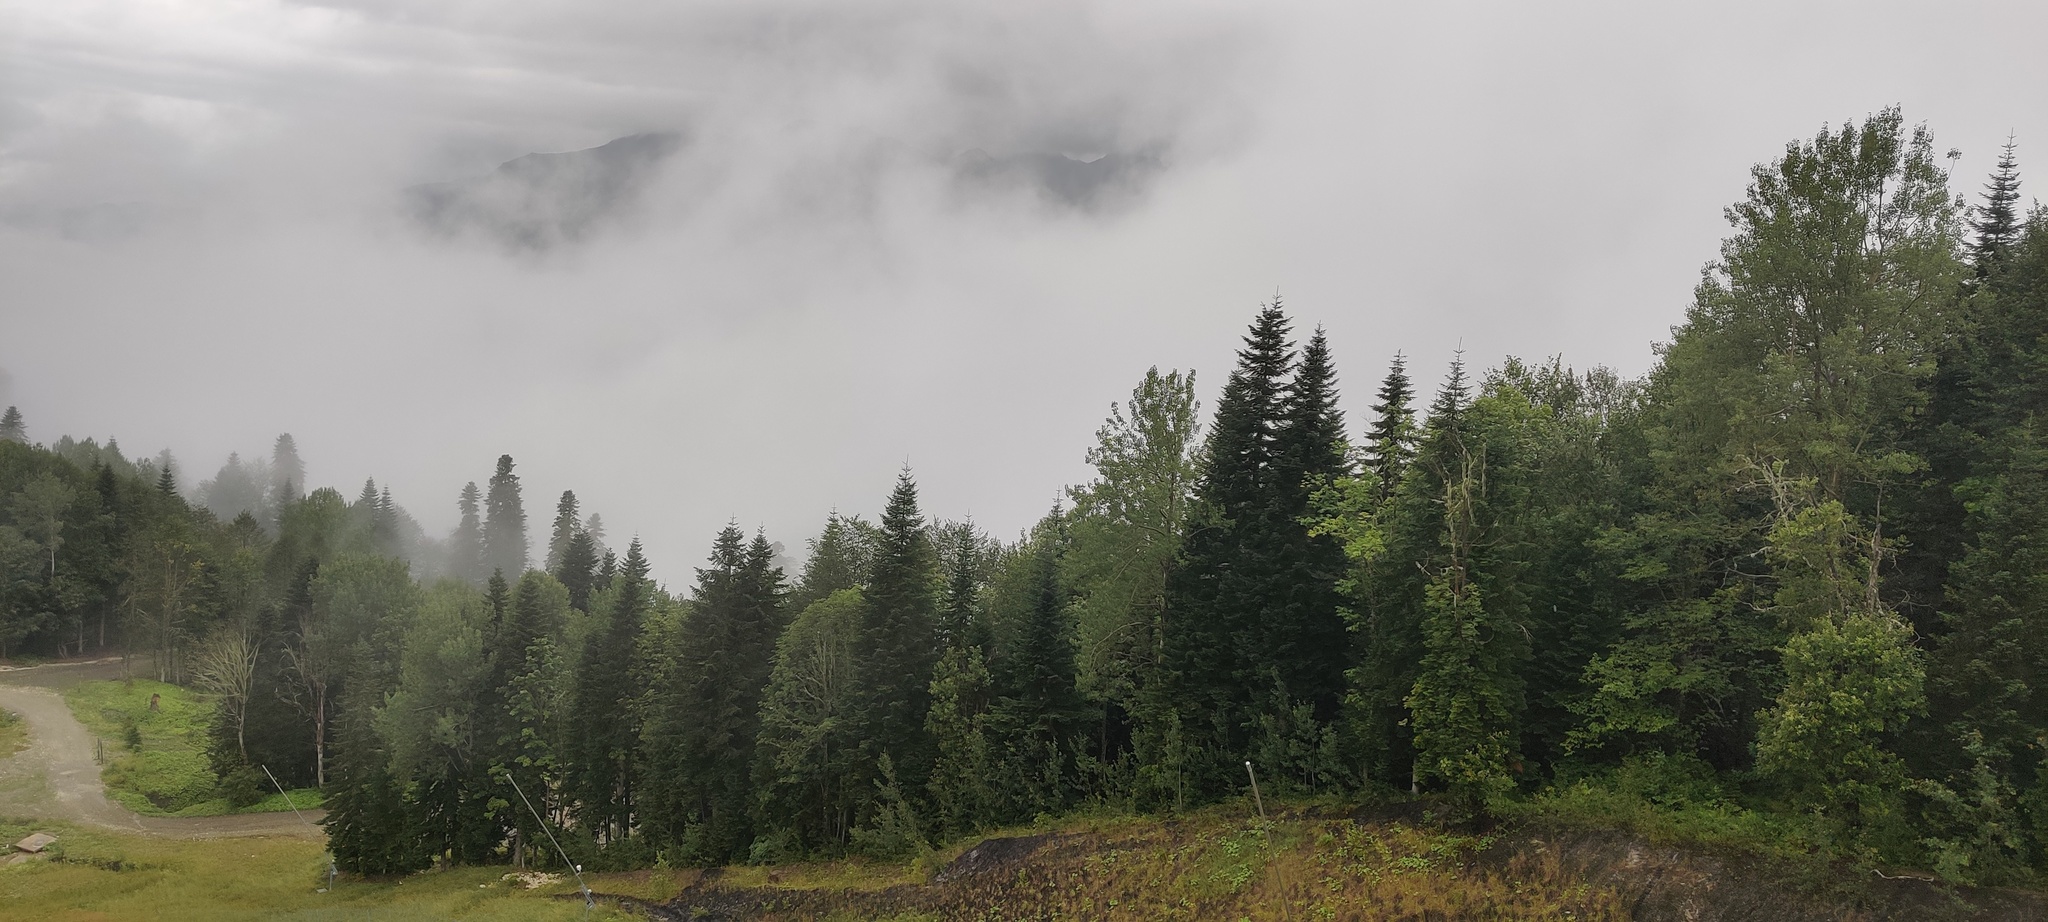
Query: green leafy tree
{"type": "Point", "coordinates": [809, 747]}
{"type": "Point", "coordinates": [437, 728]}
{"type": "Point", "coordinates": [1126, 529]}
{"type": "Point", "coordinates": [1852, 676]}
{"type": "Point", "coordinates": [962, 786]}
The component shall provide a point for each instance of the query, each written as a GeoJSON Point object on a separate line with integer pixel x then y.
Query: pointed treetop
{"type": "Point", "coordinates": [566, 526]}
{"type": "Point", "coordinates": [1453, 397]}
{"type": "Point", "coordinates": [1997, 222]}
{"type": "Point", "coordinates": [11, 427]}
{"type": "Point", "coordinates": [287, 472]}
{"type": "Point", "coordinates": [635, 566]}
{"type": "Point", "coordinates": [1390, 443]}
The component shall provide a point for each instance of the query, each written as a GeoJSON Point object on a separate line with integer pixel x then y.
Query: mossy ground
{"type": "Point", "coordinates": [167, 774]}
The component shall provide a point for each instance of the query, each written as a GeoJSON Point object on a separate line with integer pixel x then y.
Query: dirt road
{"type": "Point", "coordinates": [56, 778]}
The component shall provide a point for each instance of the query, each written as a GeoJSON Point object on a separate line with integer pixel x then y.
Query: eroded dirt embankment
{"type": "Point", "coordinates": [1343, 868]}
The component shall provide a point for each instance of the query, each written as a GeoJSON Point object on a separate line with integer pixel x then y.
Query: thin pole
{"type": "Point", "coordinates": [331, 869]}
{"type": "Point", "coordinates": [1266, 827]}
{"type": "Point", "coordinates": [574, 868]}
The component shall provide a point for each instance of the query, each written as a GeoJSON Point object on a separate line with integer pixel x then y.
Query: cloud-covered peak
{"type": "Point", "coordinates": [543, 200]}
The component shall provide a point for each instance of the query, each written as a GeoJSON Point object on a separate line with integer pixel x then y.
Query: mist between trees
{"type": "Point", "coordinates": [1799, 569]}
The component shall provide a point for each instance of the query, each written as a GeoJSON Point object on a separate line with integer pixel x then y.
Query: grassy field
{"type": "Point", "coordinates": [93, 874]}
{"type": "Point", "coordinates": [167, 774]}
{"type": "Point", "coordinates": [13, 733]}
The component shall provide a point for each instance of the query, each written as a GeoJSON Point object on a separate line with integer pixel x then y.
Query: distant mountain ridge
{"type": "Point", "coordinates": [543, 200]}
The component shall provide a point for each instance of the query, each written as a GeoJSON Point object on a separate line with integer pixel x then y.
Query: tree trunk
{"type": "Point", "coordinates": [320, 738]}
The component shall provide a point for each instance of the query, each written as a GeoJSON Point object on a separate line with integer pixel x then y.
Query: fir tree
{"type": "Point", "coordinates": [898, 643]}
{"type": "Point", "coordinates": [11, 427]}
{"type": "Point", "coordinates": [1223, 584]}
{"type": "Point", "coordinates": [566, 527]}
{"type": "Point", "coordinates": [466, 545]}
{"type": "Point", "coordinates": [1303, 636]}
{"type": "Point", "coordinates": [1038, 713]}
{"type": "Point", "coordinates": [838, 561]}
{"type": "Point", "coordinates": [959, 623]}
{"type": "Point", "coordinates": [577, 570]}
{"type": "Point", "coordinates": [703, 722]}
{"type": "Point", "coordinates": [605, 734]}
{"type": "Point", "coordinates": [1997, 223]}
{"type": "Point", "coordinates": [1391, 442]}
{"type": "Point", "coordinates": [497, 597]}
{"type": "Point", "coordinates": [504, 546]}
{"type": "Point", "coordinates": [287, 472]}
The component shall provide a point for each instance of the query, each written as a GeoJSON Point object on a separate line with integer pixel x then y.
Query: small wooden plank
{"type": "Point", "coordinates": [36, 842]}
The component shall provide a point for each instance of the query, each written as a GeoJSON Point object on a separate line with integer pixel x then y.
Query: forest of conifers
{"type": "Point", "coordinates": [1799, 569]}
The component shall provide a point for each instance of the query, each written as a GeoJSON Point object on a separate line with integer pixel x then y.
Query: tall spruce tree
{"type": "Point", "coordinates": [1038, 713]}
{"type": "Point", "coordinates": [1390, 443]}
{"type": "Point", "coordinates": [960, 623]}
{"type": "Point", "coordinates": [1997, 223]}
{"type": "Point", "coordinates": [898, 643]}
{"type": "Point", "coordinates": [1223, 585]}
{"type": "Point", "coordinates": [703, 718]}
{"type": "Point", "coordinates": [287, 471]}
{"type": "Point", "coordinates": [12, 429]}
{"type": "Point", "coordinates": [566, 527]}
{"type": "Point", "coordinates": [505, 546]}
{"type": "Point", "coordinates": [605, 721]}
{"type": "Point", "coordinates": [466, 545]}
{"type": "Point", "coordinates": [1302, 632]}
{"type": "Point", "coordinates": [577, 570]}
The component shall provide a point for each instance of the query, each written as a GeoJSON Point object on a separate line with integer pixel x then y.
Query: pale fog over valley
{"type": "Point", "coordinates": [853, 433]}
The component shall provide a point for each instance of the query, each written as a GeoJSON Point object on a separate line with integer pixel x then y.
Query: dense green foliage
{"type": "Point", "coordinates": [1797, 570]}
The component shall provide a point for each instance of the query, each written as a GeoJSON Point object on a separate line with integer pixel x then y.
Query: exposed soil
{"type": "Point", "coordinates": [1036, 877]}
{"type": "Point", "coordinates": [56, 777]}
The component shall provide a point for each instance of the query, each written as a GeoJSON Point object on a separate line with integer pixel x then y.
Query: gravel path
{"type": "Point", "coordinates": [56, 778]}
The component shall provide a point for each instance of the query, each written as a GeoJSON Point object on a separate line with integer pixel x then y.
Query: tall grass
{"type": "Point", "coordinates": [166, 772]}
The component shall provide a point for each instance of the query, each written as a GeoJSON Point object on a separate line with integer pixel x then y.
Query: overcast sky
{"type": "Point", "coordinates": [943, 233]}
